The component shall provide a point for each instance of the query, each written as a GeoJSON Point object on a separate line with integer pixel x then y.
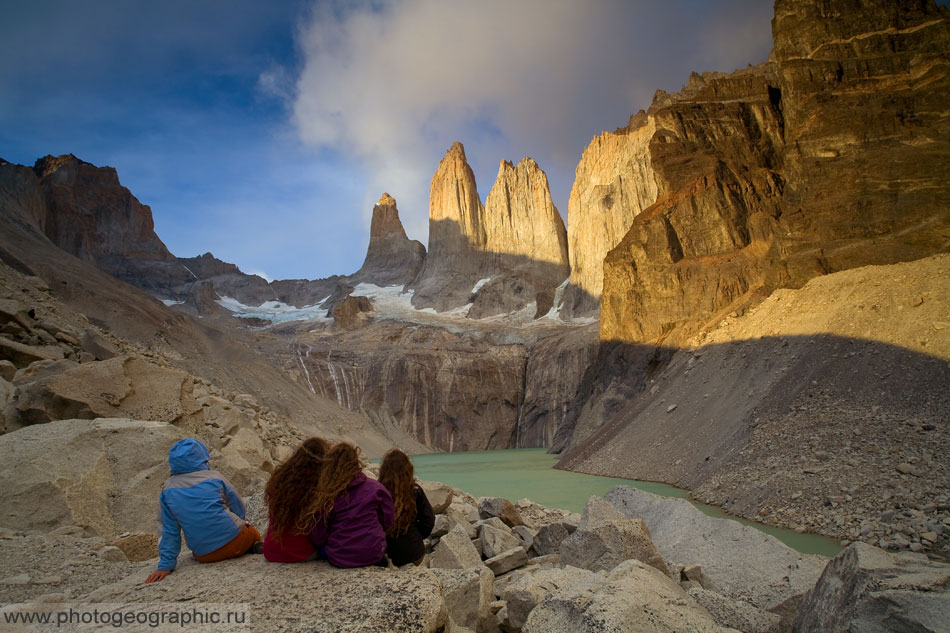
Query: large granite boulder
{"type": "Point", "coordinates": [737, 560]}
{"type": "Point", "coordinates": [455, 551]}
{"type": "Point", "coordinates": [605, 538]}
{"type": "Point", "coordinates": [633, 598]}
{"type": "Point", "coordinates": [103, 475]}
{"type": "Point", "coordinates": [523, 594]}
{"type": "Point", "coordinates": [468, 594]}
{"type": "Point", "coordinates": [298, 597]}
{"type": "Point", "coordinates": [866, 589]}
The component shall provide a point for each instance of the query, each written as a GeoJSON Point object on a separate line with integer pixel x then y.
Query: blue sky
{"type": "Point", "coordinates": [264, 131]}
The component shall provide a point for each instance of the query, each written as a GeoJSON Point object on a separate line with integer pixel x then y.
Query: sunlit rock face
{"type": "Point", "coordinates": [832, 155]}
{"type": "Point", "coordinates": [614, 182]}
{"type": "Point", "coordinates": [391, 258]}
{"type": "Point", "coordinates": [515, 244]}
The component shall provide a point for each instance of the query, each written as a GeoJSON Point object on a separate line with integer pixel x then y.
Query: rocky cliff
{"type": "Point", "coordinates": [614, 182]}
{"type": "Point", "coordinates": [516, 243]}
{"type": "Point", "coordinates": [391, 257]}
{"type": "Point", "coordinates": [830, 156]}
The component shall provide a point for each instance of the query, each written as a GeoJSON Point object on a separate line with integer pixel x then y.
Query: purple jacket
{"type": "Point", "coordinates": [354, 534]}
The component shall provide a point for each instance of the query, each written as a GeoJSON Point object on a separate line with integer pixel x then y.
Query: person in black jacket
{"type": "Point", "coordinates": [413, 512]}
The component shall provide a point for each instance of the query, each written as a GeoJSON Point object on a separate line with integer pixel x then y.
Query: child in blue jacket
{"type": "Point", "coordinates": [202, 503]}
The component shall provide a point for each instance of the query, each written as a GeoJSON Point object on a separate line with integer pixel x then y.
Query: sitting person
{"type": "Point", "coordinates": [351, 511]}
{"type": "Point", "coordinates": [413, 513]}
{"type": "Point", "coordinates": [201, 503]}
{"type": "Point", "coordinates": [289, 492]}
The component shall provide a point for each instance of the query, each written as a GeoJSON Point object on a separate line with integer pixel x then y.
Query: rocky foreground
{"type": "Point", "coordinates": [631, 562]}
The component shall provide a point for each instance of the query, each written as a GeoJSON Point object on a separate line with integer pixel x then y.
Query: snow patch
{"type": "Point", "coordinates": [170, 303]}
{"type": "Point", "coordinates": [274, 311]}
{"type": "Point", "coordinates": [555, 311]}
{"type": "Point", "coordinates": [479, 284]}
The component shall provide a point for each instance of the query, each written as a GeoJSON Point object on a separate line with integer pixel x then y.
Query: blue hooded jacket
{"type": "Point", "coordinates": [197, 501]}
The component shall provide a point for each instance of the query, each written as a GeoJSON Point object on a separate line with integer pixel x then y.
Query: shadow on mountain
{"type": "Point", "coordinates": [454, 265]}
{"type": "Point", "coordinates": [685, 416]}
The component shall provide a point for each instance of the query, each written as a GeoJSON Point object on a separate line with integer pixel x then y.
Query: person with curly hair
{"type": "Point", "coordinates": [289, 492]}
{"type": "Point", "coordinates": [351, 511]}
{"type": "Point", "coordinates": [414, 518]}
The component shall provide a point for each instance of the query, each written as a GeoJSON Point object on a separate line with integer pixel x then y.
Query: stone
{"type": "Point", "coordinates": [137, 546]}
{"type": "Point", "coordinates": [633, 598]}
{"type": "Point", "coordinates": [441, 526]}
{"type": "Point", "coordinates": [352, 312]}
{"type": "Point", "coordinates": [19, 579]}
{"type": "Point", "coordinates": [409, 600]}
{"type": "Point", "coordinates": [496, 541]}
{"type": "Point", "coordinates": [866, 589]}
{"type": "Point", "coordinates": [109, 484]}
{"type": "Point", "coordinates": [526, 536]}
{"type": "Point", "coordinates": [113, 554]}
{"type": "Point", "coordinates": [392, 259]}
{"type": "Point", "coordinates": [523, 594]}
{"type": "Point", "coordinates": [736, 614]}
{"type": "Point", "coordinates": [693, 573]}
{"type": "Point", "coordinates": [439, 495]}
{"type": "Point", "coordinates": [468, 595]}
{"type": "Point", "coordinates": [95, 344]}
{"type": "Point", "coordinates": [507, 561]}
{"type": "Point", "coordinates": [22, 355]}
{"type": "Point", "coordinates": [66, 338]}
{"type": "Point", "coordinates": [501, 508]}
{"type": "Point", "coordinates": [737, 561]}
{"type": "Point", "coordinates": [605, 538]}
{"type": "Point", "coordinates": [455, 551]}
{"type": "Point", "coordinates": [7, 370]}
{"type": "Point", "coordinates": [549, 538]}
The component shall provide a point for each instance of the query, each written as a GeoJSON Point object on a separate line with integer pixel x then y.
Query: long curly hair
{"type": "Point", "coordinates": [342, 465]}
{"type": "Point", "coordinates": [292, 486]}
{"type": "Point", "coordinates": [398, 475]}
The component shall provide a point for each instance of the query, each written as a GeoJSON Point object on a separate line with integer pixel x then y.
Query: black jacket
{"type": "Point", "coordinates": [408, 547]}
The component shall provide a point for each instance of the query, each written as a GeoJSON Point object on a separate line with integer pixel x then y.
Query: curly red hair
{"type": "Point", "coordinates": [398, 475]}
{"type": "Point", "coordinates": [293, 485]}
{"type": "Point", "coordinates": [343, 463]}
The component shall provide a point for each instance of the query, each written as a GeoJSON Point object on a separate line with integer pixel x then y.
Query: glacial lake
{"type": "Point", "coordinates": [529, 473]}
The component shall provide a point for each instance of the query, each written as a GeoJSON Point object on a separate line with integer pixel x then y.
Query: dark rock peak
{"type": "Point", "coordinates": [386, 220]}
{"type": "Point", "coordinates": [3, 161]}
{"type": "Point", "coordinates": [208, 265]}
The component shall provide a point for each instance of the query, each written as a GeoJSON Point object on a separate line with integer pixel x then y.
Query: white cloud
{"type": "Point", "coordinates": [395, 83]}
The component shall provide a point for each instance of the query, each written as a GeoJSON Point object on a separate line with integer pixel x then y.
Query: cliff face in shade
{"type": "Point", "coordinates": [89, 214]}
{"type": "Point", "coordinates": [833, 155]}
{"type": "Point", "coordinates": [516, 241]}
{"type": "Point", "coordinates": [614, 182]}
{"type": "Point", "coordinates": [391, 258]}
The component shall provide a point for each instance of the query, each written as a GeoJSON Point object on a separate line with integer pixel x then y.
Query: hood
{"type": "Point", "coordinates": [357, 481]}
{"type": "Point", "coordinates": [187, 456]}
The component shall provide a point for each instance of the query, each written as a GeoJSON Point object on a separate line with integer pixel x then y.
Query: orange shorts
{"type": "Point", "coordinates": [239, 545]}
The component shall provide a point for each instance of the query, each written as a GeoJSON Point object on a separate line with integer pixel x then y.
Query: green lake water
{"type": "Point", "coordinates": [529, 473]}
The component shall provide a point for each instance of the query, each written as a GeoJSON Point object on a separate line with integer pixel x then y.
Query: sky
{"type": "Point", "coordinates": [264, 132]}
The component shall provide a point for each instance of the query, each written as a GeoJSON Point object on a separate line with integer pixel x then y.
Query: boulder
{"type": "Point", "coordinates": [108, 485]}
{"type": "Point", "coordinates": [138, 546]}
{"type": "Point", "coordinates": [304, 596]}
{"type": "Point", "coordinates": [549, 538]}
{"type": "Point", "coordinates": [496, 541]}
{"type": "Point", "coordinates": [351, 312]}
{"type": "Point", "coordinates": [501, 508]}
{"type": "Point", "coordinates": [523, 594]}
{"type": "Point", "coordinates": [605, 538]}
{"type": "Point", "coordinates": [455, 551]}
{"type": "Point", "coordinates": [534, 515]}
{"type": "Point", "coordinates": [95, 344]}
{"type": "Point", "coordinates": [737, 561]}
{"type": "Point", "coordinates": [7, 370]}
{"type": "Point", "coordinates": [22, 355]}
{"type": "Point", "coordinates": [468, 595]}
{"type": "Point", "coordinates": [526, 536]}
{"type": "Point", "coordinates": [633, 598]}
{"type": "Point", "coordinates": [736, 613]}
{"type": "Point", "coordinates": [867, 589]}
{"type": "Point", "coordinates": [507, 561]}
{"type": "Point", "coordinates": [439, 495]}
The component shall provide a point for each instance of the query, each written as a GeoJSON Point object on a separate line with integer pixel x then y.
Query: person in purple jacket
{"type": "Point", "coordinates": [352, 511]}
